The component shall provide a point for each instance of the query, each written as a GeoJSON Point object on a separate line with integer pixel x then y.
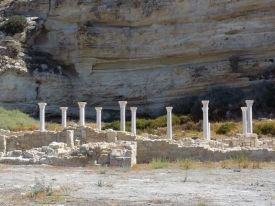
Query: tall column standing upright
{"type": "Point", "coordinates": [42, 116]}
{"type": "Point", "coordinates": [82, 113]}
{"type": "Point", "coordinates": [249, 104]}
{"type": "Point", "coordinates": [244, 114]}
{"type": "Point", "coordinates": [98, 118]}
{"type": "Point", "coordinates": [205, 119]}
{"type": "Point", "coordinates": [133, 119]}
{"type": "Point", "coordinates": [64, 117]}
{"type": "Point", "coordinates": [169, 122]}
{"type": "Point", "coordinates": [122, 105]}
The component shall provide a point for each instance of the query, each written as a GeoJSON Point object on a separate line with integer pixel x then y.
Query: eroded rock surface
{"type": "Point", "coordinates": [146, 52]}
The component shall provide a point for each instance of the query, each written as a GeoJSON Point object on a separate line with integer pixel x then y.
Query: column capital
{"type": "Point", "coordinates": [133, 109]}
{"type": "Point", "coordinates": [205, 103]}
{"type": "Point", "coordinates": [82, 104]}
{"type": "Point", "coordinates": [42, 105]}
{"type": "Point", "coordinates": [249, 102]}
{"type": "Point", "coordinates": [244, 109]}
{"type": "Point", "coordinates": [64, 108]}
{"type": "Point", "coordinates": [122, 103]}
{"type": "Point", "coordinates": [169, 109]}
{"type": "Point", "coordinates": [98, 109]}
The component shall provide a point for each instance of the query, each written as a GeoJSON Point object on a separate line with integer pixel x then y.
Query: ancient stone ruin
{"type": "Point", "coordinates": [82, 145]}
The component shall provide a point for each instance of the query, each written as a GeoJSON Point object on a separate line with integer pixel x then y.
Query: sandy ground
{"type": "Point", "coordinates": [170, 186]}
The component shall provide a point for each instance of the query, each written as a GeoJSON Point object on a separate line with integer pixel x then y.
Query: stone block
{"type": "Point", "coordinates": [28, 154]}
{"type": "Point", "coordinates": [57, 145]}
{"type": "Point", "coordinates": [103, 159]}
{"type": "Point", "coordinates": [70, 138]}
{"type": "Point", "coordinates": [77, 142]}
{"type": "Point", "coordinates": [111, 137]}
{"type": "Point", "coordinates": [121, 135]}
{"type": "Point", "coordinates": [16, 153]}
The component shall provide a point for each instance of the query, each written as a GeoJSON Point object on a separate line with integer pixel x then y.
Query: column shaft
{"type": "Point", "coordinates": [42, 116]}
{"type": "Point", "coordinates": [133, 119]}
{"type": "Point", "coordinates": [244, 115]}
{"type": "Point", "coordinates": [64, 117]}
{"type": "Point", "coordinates": [98, 118]}
{"type": "Point", "coordinates": [82, 113]}
{"type": "Point", "coordinates": [122, 105]}
{"type": "Point", "coordinates": [169, 122]}
{"type": "Point", "coordinates": [249, 104]}
{"type": "Point", "coordinates": [205, 120]}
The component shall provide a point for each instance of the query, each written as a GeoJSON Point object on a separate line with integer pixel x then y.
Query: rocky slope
{"type": "Point", "coordinates": [148, 53]}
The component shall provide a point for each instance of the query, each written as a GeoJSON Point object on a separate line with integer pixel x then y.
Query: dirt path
{"type": "Point", "coordinates": [172, 186]}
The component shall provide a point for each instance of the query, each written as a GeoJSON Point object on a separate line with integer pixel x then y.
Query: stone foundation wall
{"type": "Point", "coordinates": [34, 139]}
{"type": "Point", "coordinates": [147, 147]}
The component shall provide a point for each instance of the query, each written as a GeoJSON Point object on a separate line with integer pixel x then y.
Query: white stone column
{"type": "Point", "coordinates": [169, 122]}
{"type": "Point", "coordinates": [64, 117]}
{"type": "Point", "coordinates": [209, 131]}
{"type": "Point", "coordinates": [122, 105]}
{"type": "Point", "coordinates": [42, 116]}
{"type": "Point", "coordinates": [82, 113]}
{"type": "Point", "coordinates": [133, 119]}
{"type": "Point", "coordinates": [249, 104]}
{"type": "Point", "coordinates": [205, 119]}
{"type": "Point", "coordinates": [244, 114]}
{"type": "Point", "coordinates": [98, 118]}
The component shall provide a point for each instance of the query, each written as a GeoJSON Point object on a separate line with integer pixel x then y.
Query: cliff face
{"type": "Point", "coordinates": [145, 52]}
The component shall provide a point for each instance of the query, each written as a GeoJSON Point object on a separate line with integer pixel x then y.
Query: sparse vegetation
{"type": "Point", "coordinates": [13, 49]}
{"type": "Point", "coordinates": [159, 163]}
{"type": "Point", "coordinates": [40, 186]}
{"type": "Point", "coordinates": [16, 120]}
{"type": "Point", "coordinates": [15, 24]}
{"type": "Point", "coordinates": [226, 128]}
{"type": "Point", "coordinates": [185, 163]}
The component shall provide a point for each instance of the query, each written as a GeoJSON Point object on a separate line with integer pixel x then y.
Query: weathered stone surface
{"type": "Point", "coordinates": [167, 48]}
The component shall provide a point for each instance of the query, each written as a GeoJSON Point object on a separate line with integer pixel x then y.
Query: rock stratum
{"type": "Point", "coordinates": [147, 52]}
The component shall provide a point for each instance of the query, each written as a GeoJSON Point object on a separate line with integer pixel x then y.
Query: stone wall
{"type": "Point", "coordinates": [146, 147]}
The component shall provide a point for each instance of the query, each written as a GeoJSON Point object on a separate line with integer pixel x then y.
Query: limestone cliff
{"type": "Point", "coordinates": [147, 52]}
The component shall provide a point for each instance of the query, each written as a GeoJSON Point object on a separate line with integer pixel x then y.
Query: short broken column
{"type": "Point", "coordinates": [122, 105]}
{"type": "Point", "coordinates": [133, 119]}
{"type": "Point", "coordinates": [82, 113]}
{"type": "Point", "coordinates": [244, 115]}
{"type": "Point", "coordinates": [169, 122]}
{"type": "Point", "coordinates": [205, 120]}
{"type": "Point", "coordinates": [64, 117]}
{"type": "Point", "coordinates": [249, 104]}
{"type": "Point", "coordinates": [98, 118]}
{"type": "Point", "coordinates": [42, 116]}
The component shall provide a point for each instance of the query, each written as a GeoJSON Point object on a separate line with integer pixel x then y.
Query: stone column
{"type": "Point", "coordinates": [82, 113]}
{"type": "Point", "coordinates": [42, 116]}
{"type": "Point", "coordinates": [209, 131]}
{"type": "Point", "coordinates": [98, 118]}
{"type": "Point", "coordinates": [122, 105]}
{"type": "Point", "coordinates": [205, 119]}
{"type": "Point", "coordinates": [64, 117]}
{"type": "Point", "coordinates": [169, 122]}
{"type": "Point", "coordinates": [133, 119]}
{"type": "Point", "coordinates": [244, 114]}
{"type": "Point", "coordinates": [249, 104]}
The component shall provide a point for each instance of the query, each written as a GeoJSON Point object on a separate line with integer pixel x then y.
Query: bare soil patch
{"type": "Point", "coordinates": [208, 184]}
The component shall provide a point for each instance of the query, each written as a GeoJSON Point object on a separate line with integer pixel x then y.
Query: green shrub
{"type": "Point", "coordinates": [265, 128]}
{"type": "Point", "coordinates": [162, 121]}
{"type": "Point", "coordinates": [190, 126]}
{"type": "Point", "coordinates": [15, 24]}
{"type": "Point", "coordinates": [226, 128]}
{"type": "Point", "coordinates": [13, 49]}
{"type": "Point", "coordinates": [112, 125]}
{"type": "Point", "coordinates": [13, 119]}
{"type": "Point", "coordinates": [143, 123]}
{"type": "Point", "coordinates": [158, 163]}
